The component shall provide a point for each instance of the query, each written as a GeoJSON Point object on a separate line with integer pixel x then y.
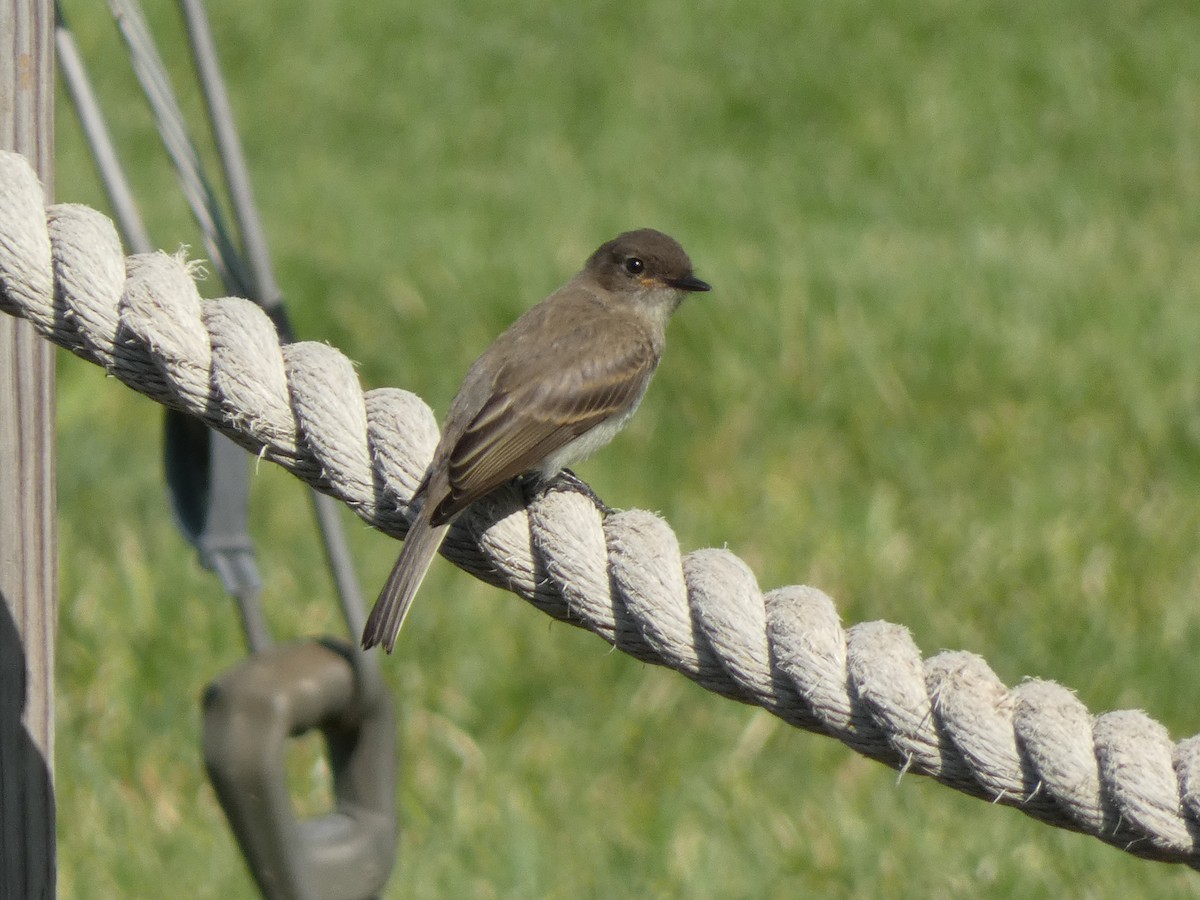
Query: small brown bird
{"type": "Point", "coordinates": [556, 386]}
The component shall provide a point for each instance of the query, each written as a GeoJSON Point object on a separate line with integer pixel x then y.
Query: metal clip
{"type": "Point", "coordinates": [282, 692]}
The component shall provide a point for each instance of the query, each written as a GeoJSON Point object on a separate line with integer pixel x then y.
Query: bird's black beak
{"type": "Point", "coordinates": [690, 283]}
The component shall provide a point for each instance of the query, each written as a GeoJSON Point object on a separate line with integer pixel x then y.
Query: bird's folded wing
{"type": "Point", "coordinates": [527, 418]}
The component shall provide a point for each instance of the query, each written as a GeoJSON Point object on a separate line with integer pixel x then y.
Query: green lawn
{"type": "Point", "coordinates": [948, 373]}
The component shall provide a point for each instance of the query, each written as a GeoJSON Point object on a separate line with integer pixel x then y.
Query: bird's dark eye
{"type": "Point", "coordinates": [634, 266]}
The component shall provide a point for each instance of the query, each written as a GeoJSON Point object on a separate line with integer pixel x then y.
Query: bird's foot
{"type": "Point", "coordinates": [533, 485]}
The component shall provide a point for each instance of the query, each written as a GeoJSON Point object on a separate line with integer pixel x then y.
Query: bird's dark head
{"type": "Point", "coordinates": [643, 261]}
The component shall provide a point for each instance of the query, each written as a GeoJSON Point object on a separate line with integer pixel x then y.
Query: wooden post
{"type": "Point", "coordinates": [27, 530]}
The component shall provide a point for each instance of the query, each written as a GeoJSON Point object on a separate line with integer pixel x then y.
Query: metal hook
{"type": "Point", "coordinates": [249, 713]}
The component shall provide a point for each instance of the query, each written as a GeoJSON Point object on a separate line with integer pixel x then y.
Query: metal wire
{"type": "Point", "coordinates": [95, 131]}
{"type": "Point", "coordinates": [197, 190]}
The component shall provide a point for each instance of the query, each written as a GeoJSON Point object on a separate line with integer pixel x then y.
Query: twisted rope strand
{"type": "Point", "coordinates": [622, 576]}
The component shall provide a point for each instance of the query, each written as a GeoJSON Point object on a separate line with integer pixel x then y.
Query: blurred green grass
{"type": "Point", "coordinates": [948, 374]}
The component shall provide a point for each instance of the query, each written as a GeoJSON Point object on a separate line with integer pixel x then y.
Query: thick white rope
{"type": "Point", "coordinates": [1116, 776]}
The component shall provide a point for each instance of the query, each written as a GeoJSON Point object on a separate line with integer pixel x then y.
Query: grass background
{"type": "Point", "coordinates": [949, 374]}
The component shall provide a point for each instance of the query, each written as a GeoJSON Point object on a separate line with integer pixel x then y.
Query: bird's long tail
{"type": "Point", "coordinates": [423, 541]}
